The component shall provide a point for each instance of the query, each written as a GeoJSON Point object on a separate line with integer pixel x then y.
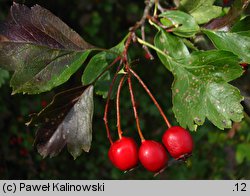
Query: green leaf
{"type": "Point", "coordinates": [39, 76]}
{"type": "Point", "coordinates": [242, 152]}
{"type": "Point", "coordinates": [200, 89]}
{"type": "Point", "coordinates": [100, 62]}
{"type": "Point", "coordinates": [102, 85]}
{"type": "Point", "coordinates": [172, 45]}
{"type": "Point", "coordinates": [244, 33]}
{"type": "Point", "coordinates": [202, 10]}
{"type": "Point", "coordinates": [42, 51]}
{"type": "Point", "coordinates": [236, 43]}
{"type": "Point", "coordinates": [66, 120]}
{"type": "Point", "coordinates": [242, 25]}
{"type": "Point", "coordinates": [185, 24]}
{"type": "Point", "coordinates": [4, 75]}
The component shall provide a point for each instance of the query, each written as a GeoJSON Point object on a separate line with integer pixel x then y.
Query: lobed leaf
{"type": "Point", "coordinates": [237, 43]}
{"type": "Point", "coordinates": [42, 51]}
{"type": "Point", "coordinates": [200, 89]}
{"type": "Point", "coordinates": [67, 120]}
{"type": "Point", "coordinates": [202, 10]}
{"type": "Point", "coordinates": [173, 45]}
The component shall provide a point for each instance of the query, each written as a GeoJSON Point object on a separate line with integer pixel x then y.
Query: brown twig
{"type": "Point", "coordinates": [154, 19]}
{"type": "Point", "coordinates": [149, 5]}
{"type": "Point", "coordinates": [141, 24]}
{"type": "Point", "coordinates": [105, 118]}
{"type": "Point", "coordinates": [160, 8]}
{"type": "Point", "coordinates": [134, 106]}
{"type": "Point", "coordinates": [118, 107]}
{"type": "Point", "coordinates": [144, 46]}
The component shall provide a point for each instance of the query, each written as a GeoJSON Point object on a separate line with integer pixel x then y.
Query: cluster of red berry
{"type": "Point", "coordinates": [124, 152]}
{"type": "Point", "coordinates": [125, 155]}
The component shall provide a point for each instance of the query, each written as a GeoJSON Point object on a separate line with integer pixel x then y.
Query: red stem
{"type": "Point", "coordinates": [118, 107]}
{"type": "Point", "coordinates": [134, 106]}
{"type": "Point", "coordinates": [151, 57]}
{"type": "Point", "coordinates": [152, 97]}
{"type": "Point", "coordinates": [105, 118]}
{"type": "Point", "coordinates": [127, 43]}
{"type": "Point", "coordinates": [107, 68]}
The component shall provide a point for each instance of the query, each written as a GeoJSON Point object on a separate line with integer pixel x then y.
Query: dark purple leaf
{"type": "Point", "coordinates": [42, 51]}
{"type": "Point", "coordinates": [66, 120]}
{"type": "Point", "coordinates": [39, 26]}
{"type": "Point", "coordinates": [229, 19]}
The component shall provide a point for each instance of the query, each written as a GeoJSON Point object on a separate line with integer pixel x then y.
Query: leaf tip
{"type": "Point", "coordinates": [75, 155]}
{"type": "Point", "coordinates": [42, 153]}
{"type": "Point", "coordinates": [86, 149]}
{"type": "Point", "coordinates": [28, 123]}
{"type": "Point", "coordinates": [15, 4]}
{"type": "Point", "coordinates": [13, 92]}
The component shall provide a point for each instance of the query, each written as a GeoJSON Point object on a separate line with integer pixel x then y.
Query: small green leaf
{"type": "Point", "coordinates": [242, 152]}
{"type": "Point", "coordinates": [185, 24]}
{"type": "Point", "coordinates": [4, 75]}
{"type": "Point", "coordinates": [236, 43]}
{"type": "Point", "coordinates": [102, 85]}
{"type": "Point", "coordinates": [202, 10]}
{"type": "Point", "coordinates": [242, 25]}
{"type": "Point", "coordinates": [100, 62]}
{"type": "Point", "coordinates": [200, 84]}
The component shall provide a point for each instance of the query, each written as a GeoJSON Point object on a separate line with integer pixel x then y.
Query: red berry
{"type": "Point", "coordinates": [44, 103]}
{"type": "Point", "coordinates": [147, 56]}
{"type": "Point", "coordinates": [178, 142]}
{"type": "Point", "coordinates": [124, 153]}
{"type": "Point", "coordinates": [19, 140]}
{"type": "Point", "coordinates": [23, 152]}
{"type": "Point", "coordinates": [153, 155]}
{"type": "Point", "coordinates": [13, 141]}
{"type": "Point", "coordinates": [244, 65]}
